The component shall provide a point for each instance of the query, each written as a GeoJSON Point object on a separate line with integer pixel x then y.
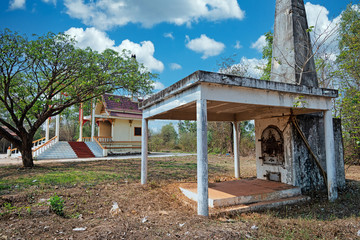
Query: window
{"type": "Point", "coordinates": [137, 131]}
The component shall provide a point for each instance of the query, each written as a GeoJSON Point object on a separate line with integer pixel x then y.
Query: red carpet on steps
{"type": "Point", "coordinates": [81, 150]}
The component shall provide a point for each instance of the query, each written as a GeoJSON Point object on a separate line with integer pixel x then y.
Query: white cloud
{"type": "Point", "coordinates": [324, 33]}
{"type": "Point", "coordinates": [238, 45]}
{"type": "Point", "coordinates": [50, 1]}
{"type": "Point", "coordinates": [175, 66]}
{"type": "Point", "coordinates": [169, 35]}
{"type": "Point", "coordinates": [207, 46]}
{"type": "Point", "coordinates": [17, 4]}
{"type": "Point", "coordinates": [91, 37]}
{"type": "Point", "coordinates": [99, 41]}
{"type": "Point", "coordinates": [259, 44]}
{"type": "Point", "coordinates": [246, 68]}
{"type": "Point", "coordinates": [158, 85]}
{"type": "Point", "coordinates": [253, 65]}
{"type": "Point", "coordinates": [105, 14]}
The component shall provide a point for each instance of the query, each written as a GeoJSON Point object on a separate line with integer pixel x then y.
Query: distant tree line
{"type": "Point", "coordinates": [220, 138]}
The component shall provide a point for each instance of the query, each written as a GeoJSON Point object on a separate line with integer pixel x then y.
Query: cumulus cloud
{"type": "Point", "coordinates": [91, 37]}
{"type": "Point", "coordinates": [324, 33]}
{"type": "Point", "coordinates": [99, 41]}
{"type": "Point", "coordinates": [206, 46]}
{"type": "Point", "coordinates": [17, 4]}
{"type": "Point", "coordinates": [247, 67]}
{"type": "Point", "coordinates": [238, 45]}
{"type": "Point", "coordinates": [105, 14]}
{"type": "Point", "coordinates": [169, 35]}
{"type": "Point", "coordinates": [259, 44]}
{"type": "Point", "coordinates": [158, 86]}
{"type": "Point", "coordinates": [175, 66]}
{"type": "Point", "coordinates": [254, 66]}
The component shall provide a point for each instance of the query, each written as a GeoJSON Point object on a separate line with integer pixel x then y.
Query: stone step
{"type": "Point", "coordinates": [258, 206]}
{"type": "Point", "coordinates": [244, 191]}
{"type": "Point", "coordinates": [95, 149]}
{"type": "Point", "coordinates": [81, 150]}
{"type": "Point", "coordinates": [60, 150]}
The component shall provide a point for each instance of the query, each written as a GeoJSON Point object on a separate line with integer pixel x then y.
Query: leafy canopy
{"type": "Point", "coordinates": [42, 76]}
{"type": "Point", "coordinates": [349, 63]}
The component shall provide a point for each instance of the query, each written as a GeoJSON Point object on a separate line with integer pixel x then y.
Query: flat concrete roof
{"type": "Point", "coordinates": [199, 77]}
{"type": "Point", "coordinates": [234, 98]}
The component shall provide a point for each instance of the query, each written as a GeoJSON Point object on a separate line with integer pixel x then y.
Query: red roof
{"type": "Point", "coordinates": [115, 103]}
{"type": "Point", "coordinates": [126, 115]}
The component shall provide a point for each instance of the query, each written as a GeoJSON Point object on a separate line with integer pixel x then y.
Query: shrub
{"type": "Point", "coordinates": [57, 205]}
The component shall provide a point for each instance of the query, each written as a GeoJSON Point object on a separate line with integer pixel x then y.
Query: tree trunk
{"type": "Point", "coordinates": [26, 153]}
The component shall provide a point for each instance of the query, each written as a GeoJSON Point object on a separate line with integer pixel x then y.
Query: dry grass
{"type": "Point", "coordinates": [154, 211]}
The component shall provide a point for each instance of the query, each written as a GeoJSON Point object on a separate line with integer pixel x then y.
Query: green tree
{"type": "Point", "coordinates": [349, 64]}
{"type": "Point", "coordinates": [41, 77]}
{"type": "Point", "coordinates": [267, 55]}
{"type": "Point", "coordinates": [187, 135]}
{"type": "Point", "coordinates": [169, 136]}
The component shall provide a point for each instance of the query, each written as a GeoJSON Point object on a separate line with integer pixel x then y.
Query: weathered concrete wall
{"type": "Point", "coordinates": [300, 169]}
{"type": "Point", "coordinates": [339, 153]}
{"type": "Point", "coordinates": [286, 170]}
{"type": "Point", "coordinates": [292, 51]}
{"type": "Point", "coordinates": [307, 174]}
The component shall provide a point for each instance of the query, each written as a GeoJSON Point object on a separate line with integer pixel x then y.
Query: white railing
{"type": "Point", "coordinates": [38, 143]}
{"type": "Point", "coordinates": [37, 151]}
{"type": "Point", "coordinates": [84, 139]}
{"type": "Point", "coordinates": [35, 144]}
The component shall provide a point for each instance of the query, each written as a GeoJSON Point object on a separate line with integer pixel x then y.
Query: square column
{"type": "Point", "coordinates": [57, 122]}
{"type": "Point", "coordinates": [236, 150]}
{"type": "Point", "coordinates": [202, 158]}
{"type": "Point", "coordinates": [93, 120]}
{"type": "Point", "coordinates": [47, 131]}
{"type": "Point", "coordinates": [57, 127]}
{"type": "Point", "coordinates": [144, 150]}
{"type": "Point", "coordinates": [330, 156]}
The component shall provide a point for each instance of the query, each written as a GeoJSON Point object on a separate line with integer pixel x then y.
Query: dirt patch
{"type": "Point", "coordinates": [156, 211]}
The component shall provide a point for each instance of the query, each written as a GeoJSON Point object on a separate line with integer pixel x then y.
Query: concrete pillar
{"type": "Point", "coordinates": [236, 150]}
{"type": "Point", "coordinates": [57, 122]}
{"type": "Point", "coordinates": [202, 158]}
{"type": "Point", "coordinates": [93, 120]}
{"type": "Point", "coordinates": [47, 130]}
{"type": "Point", "coordinates": [144, 150]}
{"type": "Point", "coordinates": [330, 156]}
{"type": "Point", "coordinates": [81, 118]}
{"type": "Point", "coordinates": [57, 126]}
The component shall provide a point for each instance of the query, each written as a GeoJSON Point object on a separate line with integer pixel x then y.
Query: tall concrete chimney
{"type": "Point", "coordinates": [293, 60]}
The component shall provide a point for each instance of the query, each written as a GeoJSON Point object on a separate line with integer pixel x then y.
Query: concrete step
{"type": "Point", "coordinates": [244, 191]}
{"type": "Point", "coordinates": [95, 149]}
{"type": "Point", "coordinates": [258, 206]}
{"type": "Point", "coordinates": [81, 150]}
{"type": "Point", "coordinates": [60, 150]}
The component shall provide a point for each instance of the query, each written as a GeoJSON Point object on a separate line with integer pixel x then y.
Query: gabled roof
{"type": "Point", "coordinates": [120, 106]}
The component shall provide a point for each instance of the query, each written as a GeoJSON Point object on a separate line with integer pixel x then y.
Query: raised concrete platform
{"type": "Point", "coordinates": [245, 191]}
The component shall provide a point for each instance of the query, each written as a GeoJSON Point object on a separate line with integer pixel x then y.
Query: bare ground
{"type": "Point", "coordinates": [156, 211]}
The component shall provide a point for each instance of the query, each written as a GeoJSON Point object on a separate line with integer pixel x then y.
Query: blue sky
{"type": "Point", "coordinates": [173, 38]}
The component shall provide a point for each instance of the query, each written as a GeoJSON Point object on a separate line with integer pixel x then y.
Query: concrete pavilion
{"type": "Point", "coordinates": [207, 96]}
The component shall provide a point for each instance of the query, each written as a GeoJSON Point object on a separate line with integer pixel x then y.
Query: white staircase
{"type": "Point", "coordinates": [60, 150]}
{"type": "Point", "coordinates": [63, 150]}
{"type": "Point", "coordinates": [95, 148]}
